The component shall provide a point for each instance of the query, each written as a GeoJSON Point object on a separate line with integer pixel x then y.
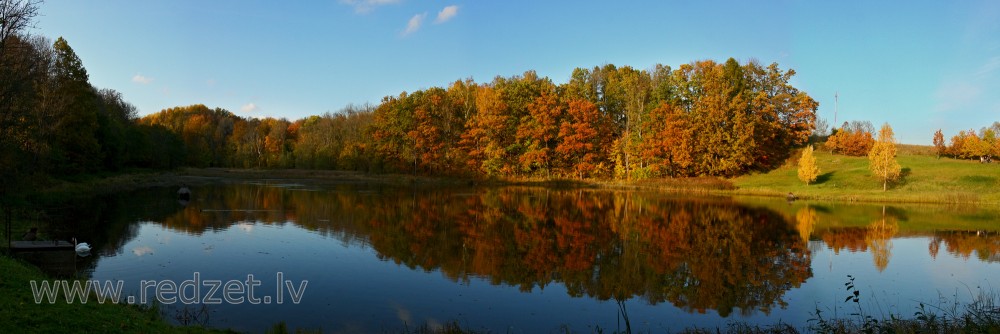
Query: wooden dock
{"type": "Point", "coordinates": [34, 246]}
{"type": "Point", "coordinates": [55, 258]}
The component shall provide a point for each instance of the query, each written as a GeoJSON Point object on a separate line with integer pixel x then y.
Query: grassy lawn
{"type": "Point", "coordinates": [926, 179]}
{"type": "Point", "coordinates": [20, 314]}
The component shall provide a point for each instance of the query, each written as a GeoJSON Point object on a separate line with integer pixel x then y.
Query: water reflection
{"type": "Point", "coordinates": [984, 244]}
{"type": "Point", "coordinates": [107, 223]}
{"type": "Point", "coordinates": [879, 239]}
{"type": "Point", "coordinates": [701, 255]}
{"type": "Point", "coordinates": [707, 254]}
{"type": "Point", "coordinates": [875, 238]}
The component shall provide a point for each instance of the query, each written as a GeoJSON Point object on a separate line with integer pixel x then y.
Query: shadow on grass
{"type": "Point", "coordinates": [822, 178]}
{"type": "Point", "coordinates": [903, 174]}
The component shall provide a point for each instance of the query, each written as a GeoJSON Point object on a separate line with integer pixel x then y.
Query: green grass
{"type": "Point", "coordinates": [926, 179]}
{"type": "Point", "coordinates": [20, 314]}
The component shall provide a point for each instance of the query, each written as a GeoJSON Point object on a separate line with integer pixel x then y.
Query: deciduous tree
{"type": "Point", "coordinates": [485, 134]}
{"type": "Point", "coordinates": [854, 139]}
{"type": "Point", "coordinates": [939, 147]}
{"type": "Point", "coordinates": [808, 171]}
{"type": "Point", "coordinates": [538, 133]}
{"type": "Point", "coordinates": [581, 140]}
{"type": "Point", "coordinates": [668, 145]}
{"type": "Point", "coordinates": [882, 157]}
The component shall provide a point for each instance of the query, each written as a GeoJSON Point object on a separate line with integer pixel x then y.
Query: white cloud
{"type": "Point", "coordinates": [446, 14]}
{"type": "Point", "coordinates": [367, 6]}
{"type": "Point", "coordinates": [246, 227]}
{"type": "Point", "coordinates": [415, 22]}
{"type": "Point", "coordinates": [249, 108]}
{"type": "Point", "coordinates": [141, 79]}
{"type": "Point", "coordinates": [143, 250]}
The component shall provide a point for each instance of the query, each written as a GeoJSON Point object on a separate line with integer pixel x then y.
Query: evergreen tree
{"type": "Point", "coordinates": [75, 105]}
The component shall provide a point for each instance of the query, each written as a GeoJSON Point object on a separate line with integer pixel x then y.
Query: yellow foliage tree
{"type": "Point", "coordinates": [808, 171]}
{"type": "Point", "coordinates": [883, 157]}
{"type": "Point", "coordinates": [806, 219]}
{"type": "Point", "coordinates": [879, 239]}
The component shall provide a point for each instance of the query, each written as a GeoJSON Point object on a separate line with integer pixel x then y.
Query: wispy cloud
{"type": "Point", "coordinates": [367, 6]}
{"type": "Point", "coordinates": [141, 79]}
{"type": "Point", "coordinates": [402, 312]}
{"type": "Point", "coordinates": [956, 96]}
{"type": "Point", "coordinates": [446, 14]}
{"type": "Point", "coordinates": [991, 66]}
{"type": "Point", "coordinates": [249, 108]}
{"type": "Point", "coordinates": [415, 22]}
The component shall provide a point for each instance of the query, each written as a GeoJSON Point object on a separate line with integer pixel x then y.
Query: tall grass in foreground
{"type": "Point", "coordinates": [980, 315]}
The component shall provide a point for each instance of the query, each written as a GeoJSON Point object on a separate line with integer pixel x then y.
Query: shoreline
{"type": "Point", "coordinates": [709, 186]}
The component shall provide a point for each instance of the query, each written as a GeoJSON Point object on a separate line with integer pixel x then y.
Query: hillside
{"type": "Point", "coordinates": [926, 179]}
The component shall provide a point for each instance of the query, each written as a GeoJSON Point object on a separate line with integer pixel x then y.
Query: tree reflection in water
{"type": "Point", "coordinates": [879, 239]}
{"type": "Point", "coordinates": [984, 244]}
{"type": "Point", "coordinates": [699, 254]}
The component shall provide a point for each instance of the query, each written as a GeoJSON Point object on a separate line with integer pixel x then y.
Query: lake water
{"type": "Point", "coordinates": [529, 260]}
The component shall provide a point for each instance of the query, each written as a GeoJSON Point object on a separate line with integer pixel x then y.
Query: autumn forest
{"type": "Point", "coordinates": [702, 118]}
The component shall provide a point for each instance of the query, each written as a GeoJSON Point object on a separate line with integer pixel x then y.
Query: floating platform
{"type": "Point", "coordinates": [34, 246]}
{"type": "Point", "coordinates": [55, 258]}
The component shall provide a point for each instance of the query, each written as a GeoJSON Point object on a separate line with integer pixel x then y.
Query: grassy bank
{"type": "Point", "coordinates": [20, 314]}
{"type": "Point", "coordinates": [926, 179]}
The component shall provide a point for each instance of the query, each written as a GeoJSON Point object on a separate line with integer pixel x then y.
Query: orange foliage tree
{"type": "Point", "coordinates": [584, 137]}
{"type": "Point", "coordinates": [485, 137]}
{"type": "Point", "coordinates": [668, 147]}
{"type": "Point", "coordinates": [538, 133]}
{"type": "Point", "coordinates": [939, 146]}
{"type": "Point", "coordinates": [854, 139]}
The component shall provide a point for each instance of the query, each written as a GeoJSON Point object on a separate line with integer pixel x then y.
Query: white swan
{"type": "Point", "coordinates": [82, 248]}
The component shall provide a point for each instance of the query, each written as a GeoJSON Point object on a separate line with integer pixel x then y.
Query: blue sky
{"type": "Point", "coordinates": [919, 65]}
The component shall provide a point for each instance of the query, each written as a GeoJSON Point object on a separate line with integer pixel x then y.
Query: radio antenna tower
{"type": "Point", "coordinates": [836, 106]}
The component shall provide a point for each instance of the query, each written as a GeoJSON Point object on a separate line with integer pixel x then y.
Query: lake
{"type": "Point", "coordinates": [529, 260]}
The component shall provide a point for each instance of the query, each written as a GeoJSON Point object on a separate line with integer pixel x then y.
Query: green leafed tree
{"type": "Point", "coordinates": [808, 171]}
{"type": "Point", "coordinates": [75, 106]}
{"type": "Point", "coordinates": [882, 157]}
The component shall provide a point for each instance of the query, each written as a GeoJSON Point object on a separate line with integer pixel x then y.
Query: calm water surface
{"type": "Point", "coordinates": [534, 260]}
